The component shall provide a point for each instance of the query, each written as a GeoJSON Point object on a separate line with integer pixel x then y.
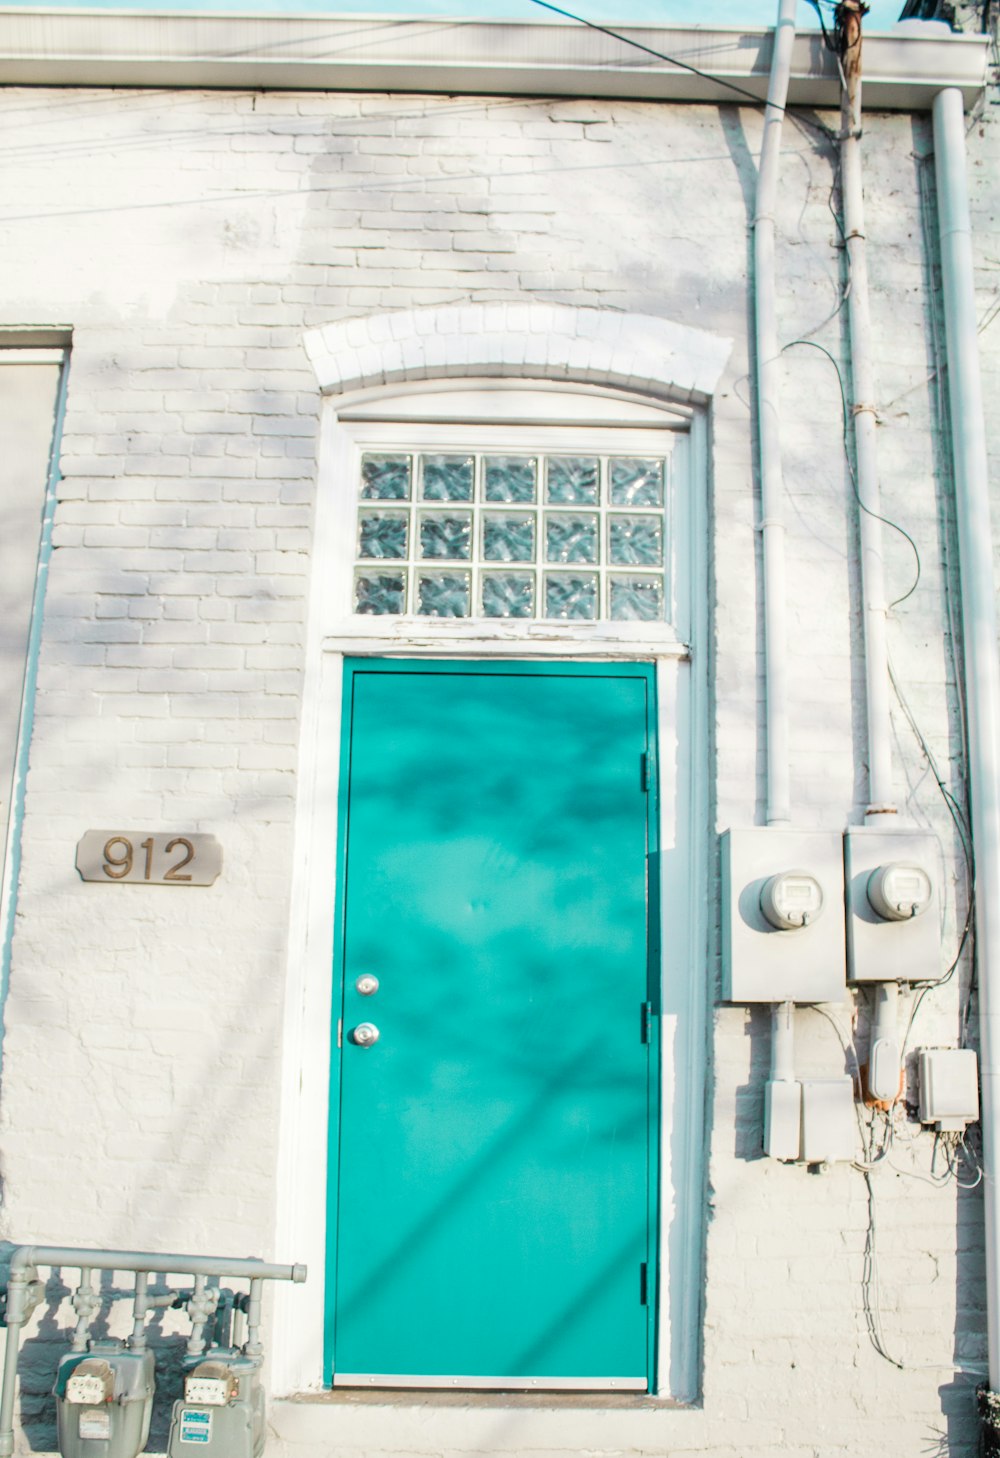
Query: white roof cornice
{"type": "Point", "coordinates": [77, 47]}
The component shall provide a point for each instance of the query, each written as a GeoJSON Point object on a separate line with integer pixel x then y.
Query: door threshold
{"type": "Point", "coordinates": [368, 1380]}
{"type": "Point", "coordinates": [486, 1399]}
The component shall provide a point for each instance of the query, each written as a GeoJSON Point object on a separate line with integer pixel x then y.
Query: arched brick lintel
{"type": "Point", "coordinates": [638, 352]}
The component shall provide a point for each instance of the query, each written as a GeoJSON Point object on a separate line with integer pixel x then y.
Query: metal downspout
{"type": "Point", "coordinates": [979, 630]}
{"type": "Point", "coordinates": [768, 426]}
{"type": "Point", "coordinates": [880, 801]}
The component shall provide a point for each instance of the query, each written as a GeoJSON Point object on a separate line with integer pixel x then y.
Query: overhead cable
{"type": "Point", "coordinates": [672, 61]}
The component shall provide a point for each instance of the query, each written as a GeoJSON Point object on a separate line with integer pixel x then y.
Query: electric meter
{"type": "Point", "coordinates": [780, 940]}
{"type": "Point", "coordinates": [893, 922]}
{"type": "Point", "coordinates": [899, 891]}
{"type": "Point", "coordinates": [791, 900]}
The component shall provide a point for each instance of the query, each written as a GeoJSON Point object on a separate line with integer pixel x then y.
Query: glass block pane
{"type": "Point", "coordinates": [510, 478]}
{"type": "Point", "coordinates": [382, 534]}
{"type": "Point", "coordinates": [385, 478]}
{"type": "Point", "coordinates": [443, 594]}
{"type": "Point", "coordinates": [571, 538]}
{"type": "Point", "coordinates": [636, 483]}
{"type": "Point", "coordinates": [380, 592]}
{"type": "Point", "coordinates": [571, 595]}
{"type": "Point", "coordinates": [508, 594]}
{"type": "Point", "coordinates": [508, 538]}
{"type": "Point", "coordinates": [447, 478]}
{"type": "Point", "coordinates": [445, 535]}
{"type": "Point", "coordinates": [637, 599]}
{"type": "Point", "coordinates": [570, 480]}
{"type": "Point", "coordinates": [637, 539]}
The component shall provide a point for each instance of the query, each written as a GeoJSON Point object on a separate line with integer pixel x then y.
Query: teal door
{"type": "Point", "coordinates": [492, 1152]}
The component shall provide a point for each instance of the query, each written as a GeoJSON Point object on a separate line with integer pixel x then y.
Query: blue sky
{"type": "Point", "coordinates": [750, 13]}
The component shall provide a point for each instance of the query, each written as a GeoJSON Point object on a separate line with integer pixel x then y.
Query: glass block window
{"type": "Point", "coordinates": [564, 538]}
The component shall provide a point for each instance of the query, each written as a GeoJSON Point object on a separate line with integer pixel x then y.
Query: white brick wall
{"type": "Point", "coordinates": [194, 241]}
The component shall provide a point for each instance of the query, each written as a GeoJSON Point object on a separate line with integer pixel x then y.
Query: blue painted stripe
{"type": "Point", "coordinates": [13, 867]}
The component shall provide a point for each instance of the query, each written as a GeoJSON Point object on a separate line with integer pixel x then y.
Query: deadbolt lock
{"type": "Point", "coordinates": [367, 984]}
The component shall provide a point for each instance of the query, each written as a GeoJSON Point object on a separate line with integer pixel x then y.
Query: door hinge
{"type": "Point", "coordinates": [647, 771]}
{"type": "Point", "coordinates": [643, 1284]}
{"type": "Point", "coordinates": [646, 1023]}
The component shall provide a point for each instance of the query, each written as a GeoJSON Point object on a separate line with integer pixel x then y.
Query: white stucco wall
{"type": "Point", "coordinates": [191, 239]}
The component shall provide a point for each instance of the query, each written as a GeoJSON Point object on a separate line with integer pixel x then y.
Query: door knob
{"type": "Point", "coordinates": [365, 1034]}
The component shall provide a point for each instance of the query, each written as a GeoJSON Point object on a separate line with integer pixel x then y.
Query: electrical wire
{"type": "Point", "coordinates": [952, 1147]}
{"type": "Point", "coordinates": [886, 521]}
{"type": "Point", "coordinates": [961, 822]}
{"type": "Point", "coordinates": [826, 131]}
{"type": "Point", "coordinates": [870, 1280]}
{"type": "Point", "coordinates": [827, 40]}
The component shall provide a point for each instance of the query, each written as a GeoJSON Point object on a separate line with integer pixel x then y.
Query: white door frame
{"type": "Point", "coordinates": [680, 654]}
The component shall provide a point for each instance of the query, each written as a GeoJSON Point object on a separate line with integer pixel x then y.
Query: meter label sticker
{"type": "Point", "coordinates": [196, 1425]}
{"type": "Point", "coordinates": [95, 1422]}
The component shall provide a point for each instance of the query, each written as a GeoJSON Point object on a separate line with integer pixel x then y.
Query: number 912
{"type": "Point", "coordinates": [119, 858]}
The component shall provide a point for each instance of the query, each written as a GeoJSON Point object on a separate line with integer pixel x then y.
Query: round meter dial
{"type": "Point", "coordinates": [899, 891]}
{"type": "Point", "coordinates": [791, 900]}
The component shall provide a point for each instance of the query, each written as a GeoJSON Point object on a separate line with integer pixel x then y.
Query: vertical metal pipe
{"type": "Point", "coordinates": [199, 1311]}
{"type": "Point", "coordinates": [874, 609]}
{"type": "Point", "coordinates": [783, 1042]}
{"type": "Point", "coordinates": [979, 629]}
{"type": "Point", "coordinates": [17, 1291]}
{"type": "Point", "coordinates": [778, 798]}
{"type": "Point", "coordinates": [253, 1345]}
{"type": "Point", "coordinates": [85, 1303]}
{"type": "Point", "coordinates": [140, 1307]}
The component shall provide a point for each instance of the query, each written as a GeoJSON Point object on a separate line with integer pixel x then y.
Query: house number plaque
{"type": "Point", "coordinates": [151, 858]}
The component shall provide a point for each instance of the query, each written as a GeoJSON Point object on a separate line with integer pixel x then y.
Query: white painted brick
{"type": "Point", "coordinates": [172, 668]}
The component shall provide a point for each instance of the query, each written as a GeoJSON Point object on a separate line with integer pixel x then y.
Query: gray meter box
{"type": "Point", "coordinates": [761, 963]}
{"type": "Point", "coordinates": [881, 950]}
{"type": "Point", "coordinates": [104, 1401]}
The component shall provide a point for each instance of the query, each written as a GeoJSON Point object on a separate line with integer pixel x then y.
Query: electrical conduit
{"type": "Point", "coordinates": [768, 425]}
{"type": "Point", "coordinates": [772, 526]}
{"type": "Point", "coordinates": [979, 624]}
{"type": "Point", "coordinates": [880, 801]}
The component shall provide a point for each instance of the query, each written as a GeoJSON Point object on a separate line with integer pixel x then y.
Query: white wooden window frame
{"type": "Point", "coordinates": [488, 415]}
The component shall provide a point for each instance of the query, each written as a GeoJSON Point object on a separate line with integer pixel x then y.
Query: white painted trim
{"type": "Point", "coordinates": [300, 1217]}
{"type": "Point", "coordinates": [425, 644]}
{"type": "Point", "coordinates": [459, 56]}
{"type": "Point", "coordinates": [683, 732]}
{"type": "Point", "coordinates": [633, 352]}
{"type": "Point", "coordinates": [17, 355]}
{"type": "Point", "coordinates": [302, 1176]}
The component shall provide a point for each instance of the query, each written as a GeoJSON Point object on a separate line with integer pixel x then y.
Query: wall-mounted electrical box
{"type": "Point", "coordinates": [782, 928]}
{"type": "Point", "coordinates": [949, 1087]}
{"type": "Point", "coordinates": [782, 1119]}
{"type": "Point", "coordinates": [222, 1410]}
{"type": "Point", "coordinates": [104, 1401]}
{"type": "Point", "coordinates": [893, 915]}
{"type": "Point", "coordinates": [829, 1126]}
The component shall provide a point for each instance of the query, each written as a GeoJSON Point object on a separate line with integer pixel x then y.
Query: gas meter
{"type": "Point", "coordinates": [222, 1410]}
{"type": "Point", "coordinates": [104, 1401]}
